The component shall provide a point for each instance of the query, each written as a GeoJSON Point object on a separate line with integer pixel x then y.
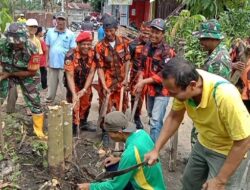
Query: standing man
{"type": "Point", "coordinates": [113, 61]}
{"type": "Point", "coordinates": [80, 70]}
{"type": "Point", "coordinates": [21, 61]}
{"type": "Point", "coordinates": [21, 19]}
{"type": "Point", "coordinates": [215, 106]}
{"type": "Point", "coordinates": [155, 54]}
{"type": "Point", "coordinates": [218, 61]}
{"type": "Point", "coordinates": [135, 48]}
{"type": "Point", "coordinates": [137, 143]}
{"type": "Point", "coordinates": [59, 41]}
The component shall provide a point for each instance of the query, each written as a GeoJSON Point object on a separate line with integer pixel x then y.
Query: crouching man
{"type": "Point", "coordinates": [137, 143]}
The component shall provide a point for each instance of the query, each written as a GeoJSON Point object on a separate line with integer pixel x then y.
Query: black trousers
{"type": "Point", "coordinates": [43, 72]}
{"type": "Point", "coordinates": [114, 167]}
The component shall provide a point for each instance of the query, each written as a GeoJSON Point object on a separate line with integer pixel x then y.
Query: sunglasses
{"type": "Point", "coordinates": [33, 26]}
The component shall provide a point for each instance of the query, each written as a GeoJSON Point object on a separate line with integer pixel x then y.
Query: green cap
{"type": "Point", "coordinates": [210, 29]}
{"type": "Point", "coordinates": [16, 33]}
{"type": "Point", "coordinates": [117, 121]}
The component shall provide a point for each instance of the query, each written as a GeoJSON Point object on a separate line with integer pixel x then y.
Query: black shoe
{"type": "Point", "coordinates": [105, 139]}
{"type": "Point", "coordinates": [88, 126]}
{"type": "Point", "coordinates": [138, 122]}
{"type": "Point", "coordinates": [74, 130]}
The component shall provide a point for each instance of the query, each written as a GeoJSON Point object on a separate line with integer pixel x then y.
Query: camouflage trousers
{"type": "Point", "coordinates": [30, 87]}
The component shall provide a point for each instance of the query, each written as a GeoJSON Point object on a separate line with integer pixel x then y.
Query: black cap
{"type": "Point", "coordinates": [109, 22]}
{"type": "Point", "coordinates": [159, 24]}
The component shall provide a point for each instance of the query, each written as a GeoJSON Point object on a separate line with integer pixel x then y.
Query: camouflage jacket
{"type": "Point", "coordinates": [14, 61]}
{"type": "Point", "coordinates": [219, 62]}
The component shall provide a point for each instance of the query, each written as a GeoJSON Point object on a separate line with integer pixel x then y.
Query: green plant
{"type": "Point", "coordinates": [212, 8]}
{"type": "Point", "coordinates": [5, 14]}
{"type": "Point", "coordinates": [40, 148]}
{"type": "Point", "coordinates": [179, 35]}
{"type": "Point", "coordinates": [235, 24]}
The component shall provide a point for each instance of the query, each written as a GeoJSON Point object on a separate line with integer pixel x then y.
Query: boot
{"type": "Point", "coordinates": [87, 126]}
{"type": "Point", "coordinates": [74, 130]}
{"type": "Point", "coordinates": [138, 122]}
{"type": "Point", "coordinates": [38, 120]}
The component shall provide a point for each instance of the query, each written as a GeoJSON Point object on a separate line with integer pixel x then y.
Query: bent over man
{"type": "Point", "coordinates": [221, 119]}
{"type": "Point", "coordinates": [20, 60]}
{"type": "Point", "coordinates": [113, 63]}
{"type": "Point", "coordinates": [80, 70]}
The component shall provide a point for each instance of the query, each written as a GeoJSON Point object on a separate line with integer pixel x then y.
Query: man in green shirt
{"type": "Point", "coordinates": [137, 143]}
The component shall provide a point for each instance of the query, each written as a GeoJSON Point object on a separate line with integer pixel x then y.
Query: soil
{"type": "Point", "coordinates": [28, 155]}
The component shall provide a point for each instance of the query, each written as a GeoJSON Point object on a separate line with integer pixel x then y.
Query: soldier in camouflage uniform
{"type": "Point", "coordinates": [20, 61]}
{"type": "Point", "coordinates": [218, 61]}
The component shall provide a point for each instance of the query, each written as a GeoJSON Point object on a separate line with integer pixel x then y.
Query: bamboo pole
{"type": "Point", "coordinates": [67, 130]}
{"type": "Point", "coordinates": [55, 141]}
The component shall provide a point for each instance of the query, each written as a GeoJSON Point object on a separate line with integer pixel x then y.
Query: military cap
{"type": "Point", "coordinates": [210, 29]}
{"type": "Point", "coordinates": [16, 33]}
{"type": "Point", "coordinates": [61, 15]}
{"type": "Point", "coordinates": [109, 22]}
{"type": "Point", "coordinates": [117, 121]}
{"type": "Point", "coordinates": [159, 24]}
{"type": "Point", "coordinates": [84, 36]}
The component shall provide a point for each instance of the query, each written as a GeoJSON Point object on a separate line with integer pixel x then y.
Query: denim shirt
{"type": "Point", "coordinates": [60, 43]}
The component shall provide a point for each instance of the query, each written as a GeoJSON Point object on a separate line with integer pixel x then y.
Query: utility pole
{"type": "Point", "coordinates": [62, 5]}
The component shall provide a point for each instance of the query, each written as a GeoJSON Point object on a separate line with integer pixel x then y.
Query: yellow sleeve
{"type": "Point", "coordinates": [178, 105]}
{"type": "Point", "coordinates": [39, 47]}
{"type": "Point", "coordinates": [233, 112]}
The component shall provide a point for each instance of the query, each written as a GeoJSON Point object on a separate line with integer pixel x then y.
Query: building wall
{"type": "Point", "coordinates": [139, 11]}
{"type": "Point", "coordinates": [164, 7]}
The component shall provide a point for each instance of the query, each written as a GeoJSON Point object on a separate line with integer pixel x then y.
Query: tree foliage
{"type": "Point", "coordinates": [212, 8]}
{"type": "Point", "coordinates": [5, 14]}
{"type": "Point", "coordinates": [179, 35]}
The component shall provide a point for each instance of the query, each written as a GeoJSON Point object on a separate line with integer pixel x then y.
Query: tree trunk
{"type": "Point", "coordinates": [55, 141]}
{"type": "Point", "coordinates": [67, 130]}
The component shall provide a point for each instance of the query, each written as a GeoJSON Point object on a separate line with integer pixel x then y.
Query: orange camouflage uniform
{"type": "Point", "coordinates": [81, 68]}
{"type": "Point", "coordinates": [135, 48]}
{"type": "Point", "coordinates": [151, 64]}
{"type": "Point", "coordinates": [113, 61]}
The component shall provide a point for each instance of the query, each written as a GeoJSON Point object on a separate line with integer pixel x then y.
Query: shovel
{"type": "Point", "coordinates": [120, 109]}
{"type": "Point", "coordinates": [137, 97]}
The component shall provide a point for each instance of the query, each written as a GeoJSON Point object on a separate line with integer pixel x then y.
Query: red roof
{"type": "Point", "coordinates": [79, 6]}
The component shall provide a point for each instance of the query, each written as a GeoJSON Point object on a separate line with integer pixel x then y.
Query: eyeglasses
{"type": "Point", "coordinates": [33, 26]}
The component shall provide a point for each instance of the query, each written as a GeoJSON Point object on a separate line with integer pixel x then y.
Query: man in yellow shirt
{"type": "Point", "coordinates": [223, 122]}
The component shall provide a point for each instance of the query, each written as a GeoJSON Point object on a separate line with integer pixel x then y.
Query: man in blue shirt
{"type": "Point", "coordinates": [59, 41]}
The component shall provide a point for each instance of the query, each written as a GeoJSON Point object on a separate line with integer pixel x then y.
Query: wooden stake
{"type": "Point", "coordinates": [173, 152]}
{"type": "Point", "coordinates": [67, 130]}
{"type": "Point", "coordinates": [55, 141]}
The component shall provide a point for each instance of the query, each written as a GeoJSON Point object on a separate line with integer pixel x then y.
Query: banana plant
{"type": "Point", "coordinates": [5, 16]}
